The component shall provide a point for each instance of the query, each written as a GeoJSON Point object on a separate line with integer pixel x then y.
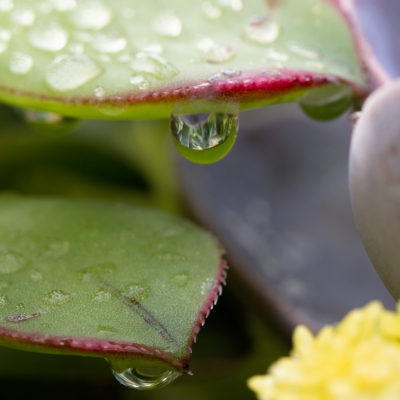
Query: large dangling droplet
{"type": "Point", "coordinates": [327, 102]}
{"type": "Point", "coordinates": [205, 138]}
{"type": "Point", "coordinates": [145, 378]}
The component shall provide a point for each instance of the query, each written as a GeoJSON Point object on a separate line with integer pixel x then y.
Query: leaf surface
{"type": "Point", "coordinates": [103, 279]}
{"type": "Point", "coordinates": [137, 59]}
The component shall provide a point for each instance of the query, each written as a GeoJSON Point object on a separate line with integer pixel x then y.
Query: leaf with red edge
{"type": "Point", "coordinates": [103, 279]}
{"type": "Point", "coordinates": [137, 59]}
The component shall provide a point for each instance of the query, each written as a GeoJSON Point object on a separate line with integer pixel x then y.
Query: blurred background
{"type": "Point", "coordinates": [278, 203]}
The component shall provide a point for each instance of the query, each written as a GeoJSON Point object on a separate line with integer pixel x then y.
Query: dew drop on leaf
{"type": "Point", "coordinates": [167, 24]}
{"type": "Point", "coordinates": [262, 30]}
{"type": "Point", "coordinates": [210, 10]}
{"type": "Point", "coordinates": [68, 72]}
{"type": "Point", "coordinates": [110, 42]}
{"type": "Point", "coordinates": [23, 15]}
{"type": "Point", "coordinates": [136, 291]}
{"type": "Point", "coordinates": [57, 297]}
{"type": "Point", "coordinates": [11, 261]}
{"type": "Point", "coordinates": [106, 330]}
{"type": "Point", "coordinates": [6, 5]}
{"type": "Point", "coordinates": [213, 52]}
{"type": "Point", "coordinates": [180, 280]}
{"type": "Point", "coordinates": [20, 63]}
{"type": "Point", "coordinates": [50, 37]}
{"type": "Point", "coordinates": [3, 301]}
{"type": "Point", "coordinates": [101, 296]}
{"type": "Point", "coordinates": [327, 102]}
{"type": "Point", "coordinates": [91, 14]}
{"type": "Point", "coordinates": [206, 137]}
{"type": "Point", "coordinates": [145, 378]}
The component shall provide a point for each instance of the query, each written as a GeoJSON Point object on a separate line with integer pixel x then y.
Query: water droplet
{"type": "Point", "coordinates": [167, 24]}
{"type": "Point", "coordinates": [5, 36]}
{"type": "Point", "coordinates": [57, 297]}
{"type": "Point", "coordinates": [136, 291]}
{"type": "Point", "coordinates": [153, 65]}
{"type": "Point", "coordinates": [57, 249]}
{"type": "Point", "coordinates": [262, 30]}
{"type": "Point", "coordinates": [169, 258]}
{"type": "Point", "coordinates": [110, 42]}
{"type": "Point", "coordinates": [3, 301]}
{"type": "Point", "coordinates": [23, 16]}
{"type": "Point", "coordinates": [98, 92]}
{"type": "Point", "coordinates": [204, 138]}
{"type": "Point", "coordinates": [49, 37]}
{"type": "Point", "coordinates": [70, 72]}
{"type": "Point", "coordinates": [91, 14]}
{"type": "Point", "coordinates": [228, 73]}
{"type": "Point", "coordinates": [98, 270]}
{"type": "Point", "coordinates": [153, 48]}
{"type": "Point", "coordinates": [20, 63]}
{"type": "Point", "coordinates": [21, 317]}
{"type": "Point", "coordinates": [303, 51]}
{"type": "Point", "coordinates": [327, 102]}
{"type": "Point", "coordinates": [180, 280]}
{"type": "Point", "coordinates": [210, 10]}
{"type": "Point", "coordinates": [145, 378]}
{"type": "Point", "coordinates": [276, 55]}
{"type": "Point", "coordinates": [101, 296]}
{"type": "Point", "coordinates": [3, 284]}
{"type": "Point", "coordinates": [6, 5]}
{"type": "Point", "coordinates": [206, 286]}
{"type": "Point", "coordinates": [139, 82]}
{"type": "Point", "coordinates": [235, 5]}
{"type": "Point", "coordinates": [106, 330]}
{"type": "Point", "coordinates": [63, 5]}
{"type": "Point", "coordinates": [20, 306]}
{"type": "Point", "coordinates": [11, 261]}
{"type": "Point", "coordinates": [36, 275]}
{"type": "Point", "coordinates": [214, 53]}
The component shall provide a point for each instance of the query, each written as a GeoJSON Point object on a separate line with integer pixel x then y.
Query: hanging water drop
{"type": "Point", "coordinates": [327, 102]}
{"type": "Point", "coordinates": [145, 378]}
{"type": "Point", "coordinates": [206, 137]}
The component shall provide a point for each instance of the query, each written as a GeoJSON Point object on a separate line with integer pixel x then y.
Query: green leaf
{"type": "Point", "coordinates": [104, 279]}
{"type": "Point", "coordinates": [137, 59]}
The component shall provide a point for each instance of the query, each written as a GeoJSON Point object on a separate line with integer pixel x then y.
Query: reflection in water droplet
{"type": "Point", "coordinates": [91, 14]}
{"type": "Point", "coordinates": [210, 10]}
{"type": "Point", "coordinates": [327, 102]}
{"type": "Point", "coordinates": [262, 30]}
{"type": "Point", "coordinates": [214, 53]}
{"type": "Point", "coordinates": [180, 280]}
{"type": "Point", "coordinates": [167, 24]}
{"type": "Point", "coordinates": [70, 72]}
{"type": "Point", "coordinates": [49, 37]}
{"type": "Point", "coordinates": [101, 296]}
{"type": "Point", "coordinates": [136, 291]}
{"type": "Point", "coordinates": [57, 297]}
{"type": "Point", "coordinates": [20, 63]}
{"type": "Point", "coordinates": [204, 138]}
{"type": "Point", "coordinates": [3, 301]}
{"type": "Point", "coordinates": [11, 261]}
{"type": "Point", "coordinates": [145, 379]}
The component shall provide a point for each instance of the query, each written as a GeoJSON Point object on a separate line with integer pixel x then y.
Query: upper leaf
{"type": "Point", "coordinates": [103, 279]}
{"type": "Point", "coordinates": [136, 59]}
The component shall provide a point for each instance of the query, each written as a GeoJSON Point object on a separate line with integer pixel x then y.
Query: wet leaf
{"type": "Point", "coordinates": [104, 279]}
{"type": "Point", "coordinates": [124, 59]}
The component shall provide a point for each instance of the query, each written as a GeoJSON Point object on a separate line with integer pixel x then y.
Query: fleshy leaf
{"type": "Point", "coordinates": [104, 279]}
{"type": "Point", "coordinates": [137, 59]}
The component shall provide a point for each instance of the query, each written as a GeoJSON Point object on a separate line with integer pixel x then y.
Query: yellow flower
{"type": "Point", "coordinates": [359, 359]}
